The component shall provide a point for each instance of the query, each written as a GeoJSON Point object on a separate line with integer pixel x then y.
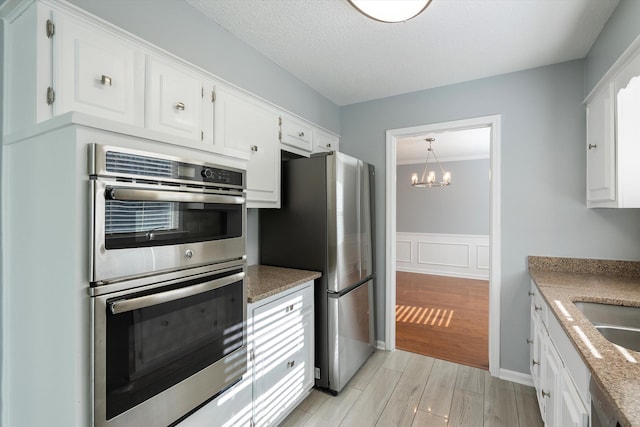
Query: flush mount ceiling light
{"type": "Point", "coordinates": [390, 10]}
{"type": "Point", "coordinates": [428, 178]}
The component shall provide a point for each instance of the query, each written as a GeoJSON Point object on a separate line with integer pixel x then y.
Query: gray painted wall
{"type": "Point", "coordinates": [460, 208]}
{"type": "Point", "coordinates": [543, 159]}
{"type": "Point", "coordinates": [621, 29]}
{"type": "Point", "coordinates": [180, 29]}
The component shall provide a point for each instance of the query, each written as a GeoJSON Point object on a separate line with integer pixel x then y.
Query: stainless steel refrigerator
{"type": "Point", "coordinates": [326, 224]}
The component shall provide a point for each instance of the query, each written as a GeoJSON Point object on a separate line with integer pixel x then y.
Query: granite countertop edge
{"type": "Point", "coordinates": [264, 281]}
{"type": "Point", "coordinates": [563, 281]}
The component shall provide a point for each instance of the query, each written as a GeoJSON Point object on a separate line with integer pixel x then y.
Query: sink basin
{"type": "Point", "coordinates": [618, 324]}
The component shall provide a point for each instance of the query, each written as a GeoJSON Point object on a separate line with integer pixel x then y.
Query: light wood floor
{"type": "Point", "coordinates": [443, 317]}
{"type": "Point", "coordinates": [407, 389]}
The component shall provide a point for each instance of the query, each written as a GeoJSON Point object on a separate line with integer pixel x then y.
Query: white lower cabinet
{"type": "Point", "coordinates": [283, 353]}
{"type": "Point", "coordinates": [280, 364]}
{"type": "Point", "coordinates": [560, 377]}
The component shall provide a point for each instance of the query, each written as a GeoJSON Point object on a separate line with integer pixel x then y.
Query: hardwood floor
{"type": "Point", "coordinates": [400, 388]}
{"type": "Point", "coordinates": [443, 317]}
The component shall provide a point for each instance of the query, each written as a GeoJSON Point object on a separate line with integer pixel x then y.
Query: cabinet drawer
{"type": "Point", "coordinates": [96, 73]}
{"type": "Point", "coordinates": [173, 100]}
{"type": "Point", "coordinates": [538, 305]}
{"type": "Point", "coordinates": [296, 134]}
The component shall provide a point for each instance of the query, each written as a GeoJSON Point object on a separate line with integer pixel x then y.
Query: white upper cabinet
{"type": "Point", "coordinates": [95, 72]}
{"type": "Point", "coordinates": [324, 142]}
{"type": "Point", "coordinates": [613, 129]}
{"type": "Point", "coordinates": [296, 136]}
{"type": "Point", "coordinates": [247, 124]}
{"type": "Point", "coordinates": [173, 101]}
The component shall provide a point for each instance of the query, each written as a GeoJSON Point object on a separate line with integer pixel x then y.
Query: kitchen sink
{"type": "Point", "coordinates": [617, 323]}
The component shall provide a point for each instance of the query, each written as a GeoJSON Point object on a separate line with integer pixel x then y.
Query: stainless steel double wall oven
{"type": "Point", "coordinates": [168, 263]}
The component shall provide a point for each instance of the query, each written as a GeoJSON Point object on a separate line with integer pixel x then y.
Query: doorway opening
{"type": "Point", "coordinates": [491, 254]}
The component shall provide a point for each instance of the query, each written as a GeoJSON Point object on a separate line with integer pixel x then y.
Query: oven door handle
{"type": "Point", "coordinates": [125, 305]}
{"type": "Point", "coordinates": [134, 194]}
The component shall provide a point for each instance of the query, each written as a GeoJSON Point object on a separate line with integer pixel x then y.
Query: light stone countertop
{"type": "Point", "coordinates": [264, 281]}
{"type": "Point", "coordinates": [564, 280]}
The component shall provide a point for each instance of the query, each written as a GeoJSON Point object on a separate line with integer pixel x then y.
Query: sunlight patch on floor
{"type": "Point", "coordinates": [424, 315]}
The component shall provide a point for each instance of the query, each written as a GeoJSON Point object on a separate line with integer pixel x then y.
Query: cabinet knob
{"type": "Point", "coordinates": [537, 308]}
{"type": "Point", "coordinates": [289, 308]}
{"type": "Point", "coordinates": [592, 146]}
{"type": "Point", "coordinates": [531, 293]}
{"type": "Point", "coordinates": [105, 80]}
{"type": "Point", "coordinates": [529, 341]}
{"type": "Point", "coordinates": [546, 394]}
{"type": "Point", "coordinates": [254, 148]}
{"type": "Point", "coordinates": [301, 134]}
{"type": "Point", "coordinates": [329, 145]}
{"type": "Point", "coordinates": [534, 363]}
{"type": "Point", "coordinates": [180, 106]}
{"type": "Point", "coordinates": [291, 364]}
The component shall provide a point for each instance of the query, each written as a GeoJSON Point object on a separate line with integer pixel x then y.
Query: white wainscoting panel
{"type": "Point", "coordinates": [456, 255]}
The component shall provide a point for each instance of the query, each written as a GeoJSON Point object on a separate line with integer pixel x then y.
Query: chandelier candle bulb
{"type": "Point", "coordinates": [414, 178]}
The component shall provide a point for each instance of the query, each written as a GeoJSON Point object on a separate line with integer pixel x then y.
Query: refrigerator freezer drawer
{"type": "Point", "coordinates": [350, 333]}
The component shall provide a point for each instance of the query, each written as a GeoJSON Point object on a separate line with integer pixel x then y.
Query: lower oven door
{"type": "Point", "coordinates": [162, 350]}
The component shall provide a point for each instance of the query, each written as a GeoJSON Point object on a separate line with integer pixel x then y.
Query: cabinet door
{"type": "Point", "coordinates": [324, 142]}
{"type": "Point", "coordinates": [283, 357]}
{"type": "Point", "coordinates": [247, 125]}
{"type": "Point", "coordinates": [173, 100]}
{"type": "Point", "coordinates": [627, 133]}
{"type": "Point", "coordinates": [551, 385]}
{"type": "Point", "coordinates": [96, 73]}
{"type": "Point", "coordinates": [572, 412]}
{"type": "Point", "coordinates": [601, 168]}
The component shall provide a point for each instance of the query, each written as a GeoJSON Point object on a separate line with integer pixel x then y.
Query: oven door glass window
{"type": "Point", "coordinates": [155, 346]}
{"type": "Point", "coordinates": [135, 224]}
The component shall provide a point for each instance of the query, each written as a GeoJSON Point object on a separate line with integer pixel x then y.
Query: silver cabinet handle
{"type": "Point", "coordinates": [105, 80]}
{"type": "Point", "coordinates": [126, 305]}
{"type": "Point", "coordinates": [329, 145]}
{"type": "Point", "coordinates": [529, 341]}
{"type": "Point", "coordinates": [592, 146]}
{"type": "Point", "coordinates": [289, 308]}
{"type": "Point", "coordinates": [534, 363]}
{"type": "Point", "coordinates": [301, 134]}
{"type": "Point", "coordinates": [136, 194]}
{"type": "Point", "coordinates": [546, 394]}
{"type": "Point", "coordinates": [291, 364]}
{"type": "Point", "coordinates": [180, 106]}
{"type": "Point", "coordinates": [531, 293]}
{"type": "Point", "coordinates": [537, 308]}
{"type": "Point", "coordinates": [254, 148]}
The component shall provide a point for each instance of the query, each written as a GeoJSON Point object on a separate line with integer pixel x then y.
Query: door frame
{"type": "Point", "coordinates": [392, 136]}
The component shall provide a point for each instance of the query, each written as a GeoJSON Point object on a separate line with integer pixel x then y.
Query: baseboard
{"type": "Point", "coordinates": [516, 377]}
{"type": "Point", "coordinates": [381, 345]}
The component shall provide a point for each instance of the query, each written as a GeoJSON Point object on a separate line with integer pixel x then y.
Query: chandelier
{"type": "Point", "coordinates": [428, 178]}
{"type": "Point", "coordinates": [390, 10]}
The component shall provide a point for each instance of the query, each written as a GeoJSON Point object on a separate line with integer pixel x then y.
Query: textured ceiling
{"type": "Point", "coordinates": [349, 58]}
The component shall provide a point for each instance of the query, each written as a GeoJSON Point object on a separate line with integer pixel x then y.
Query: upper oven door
{"type": "Point", "coordinates": [141, 229]}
